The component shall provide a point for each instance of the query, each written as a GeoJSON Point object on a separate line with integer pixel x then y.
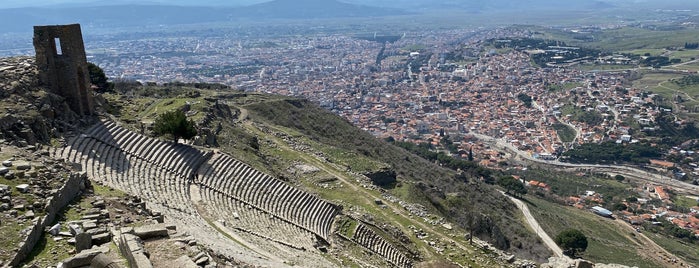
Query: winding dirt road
{"type": "Point", "coordinates": [536, 227]}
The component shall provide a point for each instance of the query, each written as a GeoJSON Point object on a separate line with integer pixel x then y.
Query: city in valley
{"type": "Point", "coordinates": [341, 134]}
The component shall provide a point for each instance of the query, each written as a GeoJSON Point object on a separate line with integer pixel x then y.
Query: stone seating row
{"type": "Point", "coordinates": [109, 164]}
{"type": "Point", "coordinates": [367, 238]}
{"type": "Point", "coordinates": [244, 183]}
{"type": "Point", "coordinates": [178, 158]}
{"type": "Point", "coordinates": [240, 216]}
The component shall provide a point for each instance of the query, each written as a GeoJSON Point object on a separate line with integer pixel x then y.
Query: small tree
{"type": "Point", "coordinates": [97, 77]}
{"type": "Point", "coordinates": [572, 242]}
{"type": "Point", "coordinates": [174, 123]}
{"type": "Point", "coordinates": [512, 184]}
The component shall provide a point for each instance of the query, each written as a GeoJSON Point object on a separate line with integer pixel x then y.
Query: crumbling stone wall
{"type": "Point", "coordinates": [62, 64]}
{"type": "Point", "coordinates": [54, 204]}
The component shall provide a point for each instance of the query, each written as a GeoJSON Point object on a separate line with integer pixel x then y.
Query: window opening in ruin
{"type": "Point", "coordinates": [59, 51]}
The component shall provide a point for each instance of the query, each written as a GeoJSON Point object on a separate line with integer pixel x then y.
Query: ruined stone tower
{"type": "Point", "coordinates": [62, 64]}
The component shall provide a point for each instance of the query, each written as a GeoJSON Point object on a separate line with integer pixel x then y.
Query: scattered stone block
{"type": "Point", "coordinates": [101, 238]}
{"type": "Point", "coordinates": [74, 229]}
{"type": "Point", "coordinates": [95, 231]}
{"type": "Point", "coordinates": [199, 255]}
{"type": "Point", "coordinates": [202, 261]}
{"type": "Point", "coordinates": [150, 231]}
{"type": "Point", "coordinates": [89, 225]}
{"type": "Point", "coordinates": [24, 166]}
{"type": "Point", "coordinates": [102, 260]}
{"type": "Point", "coordinates": [23, 188]}
{"type": "Point", "coordinates": [99, 204]}
{"type": "Point", "coordinates": [185, 262]}
{"type": "Point", "coordinates": [81, 259]}
{"type": "Point", "coordinates": [66, 234]}
{"type": "Point", "coordinates": [54, 230]}
{"type": "Point", "coordinates": [83, 241]}
{"type": "Point", "coordinates": [7, 163]}
{"type": "Point", "coordinates": [4, 170]}
{"type": "Point", "coordinates": [91, 217]}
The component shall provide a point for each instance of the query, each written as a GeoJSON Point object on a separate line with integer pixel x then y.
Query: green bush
{"type": "Point", "coordinates": [175, 124]}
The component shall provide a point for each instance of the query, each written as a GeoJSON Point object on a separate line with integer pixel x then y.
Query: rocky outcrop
{"type": "Point", "coordinates": [382, 177]}
{"type": "Point", "coordinates": [556, 262]}
{"type": "Point", "coordinates": [30, 114]}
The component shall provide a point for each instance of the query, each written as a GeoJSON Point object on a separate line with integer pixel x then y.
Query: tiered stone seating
{"type": "Point", "coordinates": [161, 172]}
{"type": "Point", "coordinates": [177, 158]}
{"type": "Point", "coordinates": [367, 238]}
{"type": "Point", "coordinates": [268, 194]}
{"type": "Point", "coordinates": [240, 216]}
{"type": "Point", "coordinates": [109, 153]}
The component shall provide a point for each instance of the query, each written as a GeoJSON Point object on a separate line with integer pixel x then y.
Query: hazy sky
{"type": "Point", "coordinates": [394, 3]}
{"type": "Point", "coordinates": [26, 3]}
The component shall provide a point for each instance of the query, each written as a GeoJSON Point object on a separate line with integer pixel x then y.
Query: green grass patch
{"type": "Point", "coordinates": [346, 226]}
{"type": "Point", "coordinates": [564, 86]}
{"type": "Point", "coordinates": [414, 47]}
{"type": "Point", "coordinates": [607, 242]}
{"type": "Point", "coordinates": [682, 249]}
{"type": "Point", "coordinates": [693, 67]}
{"type": "Point", "coordinates": [603, 67]}
{"type": "Point", "coordinates": [106, 191]}
{"type": "Point", "coordinates": [357, 162]}
{"type": "Point", "coordinates": [44, 250]}
{"type": "Point", "coordinates": [568, 184]}
{"type": "Point", "coordinates": [685, 202]}
{"type": "Point", "coordinates": [565, 132]}
{"type": "Point", "coordinates": [632, 38]}
{"type": "Point", "coordinates": [9, 236]}
{"type": "Point", "coordinates": [646, 51]}
{"type": "Point", "coordinates": [577, 114]}
{"type": "Point", "coordinates": [685, 55]}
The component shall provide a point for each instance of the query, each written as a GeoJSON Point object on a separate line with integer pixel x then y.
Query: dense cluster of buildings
{"type": "Point", "coordinates": [424, 87]}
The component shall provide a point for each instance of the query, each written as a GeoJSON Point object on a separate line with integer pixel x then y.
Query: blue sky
{"type": "Point", "coordinates": [394, 3]}
{"type": "Point", "coordinates": [27, 3]}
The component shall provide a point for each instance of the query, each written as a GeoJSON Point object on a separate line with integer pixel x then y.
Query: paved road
{"type": "Point", "coordinates": [536, 227]}
{"type": "Point", "coordinates": [630, 172]}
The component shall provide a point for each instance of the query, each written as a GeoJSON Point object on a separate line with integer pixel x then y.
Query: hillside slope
{"type": "Point", "coordinates": [461, 198]}
{"type": "Point", "coordinates": [262, 164]}
{"type": "Point", "coordinates": [312, 148]}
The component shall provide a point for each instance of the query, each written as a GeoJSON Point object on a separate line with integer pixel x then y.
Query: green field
{"type": "Point", "coordinates": [565, 132]}
{"type": "Point", "coordinates": [603, 67]}
{"type": "Point", "coordinates": [661, 84]}
{"type": "Point", "coordinates": [607, 242]}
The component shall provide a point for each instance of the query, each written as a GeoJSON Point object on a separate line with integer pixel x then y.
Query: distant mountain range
{"type": "Point", "coordinates": [313, 9]}
{"type": "Point", "coordinates": [22, 19]}
{"type": "Point", "coordinates": [130, 13]}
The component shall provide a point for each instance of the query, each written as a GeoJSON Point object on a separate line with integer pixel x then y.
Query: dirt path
{"type": "Point", "coordinates": [536, 227]}
{"type": "Point", "coordinates": [648, 248]}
